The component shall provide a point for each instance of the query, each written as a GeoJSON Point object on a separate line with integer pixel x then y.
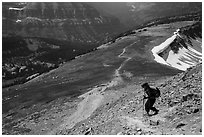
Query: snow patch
{"type": "Point", "coordinates": [158, 49]}
{"type": "Point", "coordinates": [185, 58]}
{"type": "Point", "coordinates": [32, 76]}
{"type": "Point", "coordinates": [18, 9]}
{"type": "Point", "coordinates": [18, 21]}
{"type": "Point", "coordinates": [104, 46]}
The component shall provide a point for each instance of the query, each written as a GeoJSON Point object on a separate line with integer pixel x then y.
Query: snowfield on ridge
{"type": "Point", "coordinates": [185, 57]}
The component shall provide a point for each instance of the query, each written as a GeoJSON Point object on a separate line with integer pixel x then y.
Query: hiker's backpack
{"type": "Point", "coordinates": [157, 92]}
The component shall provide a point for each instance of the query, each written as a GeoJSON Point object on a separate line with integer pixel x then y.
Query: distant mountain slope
{"type": "Point", "coordinates": [135, 13]}
{"type": "Point", "coordinates": [40, 36]}
{"type": "Point", "coordinates": [25, 56]}
{"type": "Point", "coordinates": [64, 21]}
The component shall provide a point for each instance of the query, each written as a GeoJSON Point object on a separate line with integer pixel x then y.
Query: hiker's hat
{"type": "Point", "coordinates": [145, 85]}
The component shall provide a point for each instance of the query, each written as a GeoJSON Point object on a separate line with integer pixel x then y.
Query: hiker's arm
{"type": "Point", "coordinates": [145, 97]}
{"type": "Point", "coordinates": [146, 94]}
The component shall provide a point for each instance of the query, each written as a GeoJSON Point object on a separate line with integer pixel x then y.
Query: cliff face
{"type": "Point", "coordinates": [64, 21]}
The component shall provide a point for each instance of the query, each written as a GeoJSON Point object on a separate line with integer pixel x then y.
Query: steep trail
{"type": "Point", "coordinates": [117, 71]}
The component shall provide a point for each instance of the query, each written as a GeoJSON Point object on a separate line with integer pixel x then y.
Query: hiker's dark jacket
{"type": "Point", "coordinates": [150, 93]}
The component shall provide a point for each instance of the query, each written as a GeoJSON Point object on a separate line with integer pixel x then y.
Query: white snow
{"type": "Point", "coordinates": [32, 76]}
{"type": "Point", "coordinates": [18, 21]}
{"type": "Point", "coordinates": [173, 59]}
{"type": "Point", "coordinates": [133, 6]}
{"type": "Point", "coordinates": [106, 65]}
{"type": "Point", "coordinates": [158, 49]}
{"type": "Point", "coordinates": [182, 60]}
{"type": "Point", "coordinates": [19, 9]}
{"type": "Point", "coordinates": [106, 45]}
{"type": "Point", "coordinates": [99, 20]}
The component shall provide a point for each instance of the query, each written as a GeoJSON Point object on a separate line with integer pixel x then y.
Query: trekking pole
{"type": "Point", "coordinates": [143, 105]}
{"type": "Point", "coordinates": [143, 108]}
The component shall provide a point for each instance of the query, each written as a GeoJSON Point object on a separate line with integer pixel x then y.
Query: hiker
{"type": "Point", "coordinates": [152, 94]}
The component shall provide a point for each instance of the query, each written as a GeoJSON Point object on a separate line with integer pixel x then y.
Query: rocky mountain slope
{"type": "Point", "coordinates": [180, 109]}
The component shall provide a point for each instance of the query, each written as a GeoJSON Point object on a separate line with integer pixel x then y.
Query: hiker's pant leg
{"type": "Point", "coordinates": [153, 109]}
{"type": "Point", "coordinates": [152, 101]}
{"type": "Point", "coordinates": [147, 106]}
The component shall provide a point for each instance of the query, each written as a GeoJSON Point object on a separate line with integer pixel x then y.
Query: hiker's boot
{"type": "Point", "coordinates": [148, 114]}
{"type": "Point", "coordinates": [156, 111]}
